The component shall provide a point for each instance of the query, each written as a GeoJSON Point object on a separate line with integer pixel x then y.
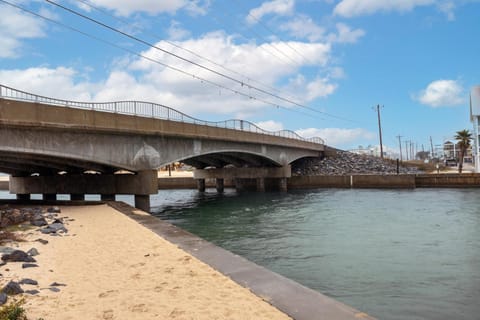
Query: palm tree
{"type": "Point", "coordinates": [463, 137]}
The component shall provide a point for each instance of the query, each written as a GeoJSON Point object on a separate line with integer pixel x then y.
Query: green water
{"type": "Point", "coordinates": [395, 254]}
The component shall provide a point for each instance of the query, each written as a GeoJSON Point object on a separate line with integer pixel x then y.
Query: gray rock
{"type": "Point", "coordinates": [42, 241]}
{"type": "Point", "coordinates": [53, 210]}
{"type": "Point", "coordinates": [32, 292]}
{"type": "Point", "coordinates": [3, 298]}
{"type": "Point", "coordinates": [28, 281]}
{"type": "Point", "coordinates": [39, 221]}
{"type": "Point", "coordinates": [29, 265]}
{"type": "Point", "coordinates": [56, 284]}
{"type": "Point", "coordinates": [54, 289]}
{"type": "Point", "coordinates": [18, 256]}
{"type": "Point", "coordinates": [6, 250]}
{"type": "Point", "coordinates": [12, 288]}
{"type": "Point", "coordinates": [54, 228]}
{"type": "Point", "coordinates": [33, 252]}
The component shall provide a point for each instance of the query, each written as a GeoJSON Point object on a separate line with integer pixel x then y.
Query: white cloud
{"type": "Point", "coordinates": [303, 27]}
{"type": "Point", "coordinates": [16, 26]}
{"type": "Point", "coordinates": [270, 125]}
{"type": "Point", "coordinates": [138, 79]}
{"type": "Point", "coordinates": [176, 32]}
{"type": "Point", "coordinates": [279, 7]}
{"type": "Point", "coordinates": [338, 137]}
{"type": "Point", "coordinates": [442, 93]}
{"type": "Point", "coordinates": [352, 8]}
{"type": "Point", "coordinates": [153, 7]}
{"type": "Point", "coordinates": [448, 8]}
{"type": "Point", "coordinates": [345, 34]}
{"type": "Point", "coordinates": [55, 83]}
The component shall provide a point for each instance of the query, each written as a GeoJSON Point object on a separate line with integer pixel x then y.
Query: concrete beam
{"type": "Point", "coordinates": [243, 173]}
{"type": "Point", "coordinates": [142, 183]}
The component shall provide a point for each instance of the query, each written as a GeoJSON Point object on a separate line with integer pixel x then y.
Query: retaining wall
{"type": "Point", "coordinates": [454, 180]}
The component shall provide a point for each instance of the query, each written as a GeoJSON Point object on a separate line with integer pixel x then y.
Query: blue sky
{"type": "Point", "coordinates": [335, 60]}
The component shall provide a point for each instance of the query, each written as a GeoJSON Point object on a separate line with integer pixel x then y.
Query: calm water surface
{"type": "Point", "coordinates": [395, 254]}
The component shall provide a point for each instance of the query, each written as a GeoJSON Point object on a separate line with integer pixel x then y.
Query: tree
{"type": "Point", "coordinates": [463, 137]}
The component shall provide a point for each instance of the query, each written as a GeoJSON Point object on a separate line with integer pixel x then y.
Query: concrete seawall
{"type": "Point", "coordinates": [467, 180]}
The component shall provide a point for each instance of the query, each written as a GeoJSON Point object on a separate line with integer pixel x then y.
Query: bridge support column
{"type": "Point", "coordinates": [239, 184]}
{"type": "Point", "coordinates": [49, 196]}
{"type": "Point", "coordinates": [201, 185]}
{"type": "Point", "coordinates": [143, 183]}
{"type": "Point", "coordinates": [219, 182]}
{"type": "Point", "coordinates": [282, 184]}
{"type": "Point", "coordinates": [261, 184]}
{"type": "Point", "coordinates": [142, 202]}
{"type": "Point", "coordinates": [77, 197]}
{"type": "Point", "coordinates": [24, 196]}
{"type": "Point", "coordinates": [107, 197]}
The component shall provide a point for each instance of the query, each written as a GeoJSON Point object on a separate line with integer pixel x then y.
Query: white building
{"type": "Point", "coordinates": [475, 119]}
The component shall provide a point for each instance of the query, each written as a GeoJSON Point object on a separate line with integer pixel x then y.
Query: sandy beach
{"type": "Point", "coordinates": [114, 268]}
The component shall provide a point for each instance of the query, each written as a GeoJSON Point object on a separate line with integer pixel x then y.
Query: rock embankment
{"type": "Point", "coordinates": [347, 163]}
{"type": "Point", "coordinates": [48, 222]}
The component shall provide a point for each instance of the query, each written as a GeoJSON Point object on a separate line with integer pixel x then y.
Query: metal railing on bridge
{"type": "Point", "coordinates": [149, 110]}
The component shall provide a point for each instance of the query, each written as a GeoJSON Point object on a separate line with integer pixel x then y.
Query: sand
{"type": "Point", "coordinates": [114, 268]}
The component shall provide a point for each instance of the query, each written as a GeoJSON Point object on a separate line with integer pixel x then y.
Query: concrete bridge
{"type": "Point", "coordinates": [51, 146]}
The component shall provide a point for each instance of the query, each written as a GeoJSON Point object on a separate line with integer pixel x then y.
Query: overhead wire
{"type": "Point", "coordinates": [295, 63]}
{"type": "Point", "coordinates": [242, 83]}
{"type": "Point", "coordinates": [259, 21]}
{"type": "Point", "coordinates": [151, 59]}
{"type": "Point", "coordinates": [247, 78]}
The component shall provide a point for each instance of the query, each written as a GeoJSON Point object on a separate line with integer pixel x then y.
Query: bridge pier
{"type": "Point", "coordinates": [142, 202]}
{"type": "Point", "coordinates": [260, 184]}
{"type": "Point", "coordinates": [23, 196]}
{"type": "Point", "coordinates": [201, 185]}
{"type": "Point", "coordinates": [220, 185]}
{"type": "Point", "coordinates": [246, 177]}
{"type": "Point", "coordinates": [107, 197]}
{"type": "Point", "coordinates": [77, 197]}
{"type": "Point", "coordinates": [141, 184]}
{"type": "Point", "coordinates": [49, 196]}
{"type": "Point", "coordinates": [282, 185]}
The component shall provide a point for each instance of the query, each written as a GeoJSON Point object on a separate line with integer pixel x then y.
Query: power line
{"type": "Point", "coordinates": [242, 83]}
{"type": "Point", "coordinates": [296, 64]}
{"type": "Point", "coordinates": [272, 32]}
{"type": "Point", "coordinates": [173, 44]}
{"type": "Point", "coordinates": [151, 59]}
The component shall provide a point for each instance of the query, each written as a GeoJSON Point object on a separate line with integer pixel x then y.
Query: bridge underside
{"type": "Point", "coordinates": [51, 150]}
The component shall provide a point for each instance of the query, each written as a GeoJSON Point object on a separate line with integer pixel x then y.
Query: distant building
{"type": "Point", "coordinates": [450, 150]}
{"type": "Point", "coordinates": [475, 119]}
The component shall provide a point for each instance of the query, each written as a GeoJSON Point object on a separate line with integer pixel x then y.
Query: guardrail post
{"type": "Point", "coordinates": [115, 107]}
{"type": "Point", "coordinates": [135, 107]}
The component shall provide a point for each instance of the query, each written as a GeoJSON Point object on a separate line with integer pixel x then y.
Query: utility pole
{"type": "Point", "coordinates": [400, 144]}
{"type": "Point", "coordinates": [431, 146]}
{"type": "Point", "coordinates": [380, 130]}
{"type": "Point", "coordinates": [406, 149]}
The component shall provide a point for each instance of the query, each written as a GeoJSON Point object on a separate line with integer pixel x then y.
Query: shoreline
{"type": "Point", "coordinates": [111, 267]}
{"type": "Point", "coordinates": [140, 267]}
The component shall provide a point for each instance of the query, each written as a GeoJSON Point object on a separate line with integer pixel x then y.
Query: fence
{"type": "Point", "coordinates": [149, 110]}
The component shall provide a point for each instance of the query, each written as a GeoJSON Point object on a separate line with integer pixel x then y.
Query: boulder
{"type": "Point", "coordinates": [18, 256]}
{"type": "Point", "coordinates": [12, 288]}
{"type": "Point", "coordinates": [33, 252]}
{"type": "Point", "coordinates": [3, 298]}
{"type": "Point", "coordinates": [28, 281]}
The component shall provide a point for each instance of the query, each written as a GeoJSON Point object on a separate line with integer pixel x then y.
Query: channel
{"type": "Point", "coordinates": [395, 254]}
